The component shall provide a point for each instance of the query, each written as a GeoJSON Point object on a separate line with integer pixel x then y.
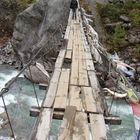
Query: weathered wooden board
{"type": "Point", "coordinates": [90, 65]}
{"type": "Point", "coordinates": [67, 32]}
{"type": "Point", "coordinates": [67, 124]}
{"type": "Point", "coordinates": [50, 96]}
{"type": "Point", "coordinates": [44, 126]}
{"type": "Point", "coordinates": [70, 41]}
{"type": "Point", "coordinates": [95, 87]}
{"type": "Point", "coordinates": [89, 99]}
{"type": "Point", "coordinates": [98, 128]}
{"type": "Point", "coordinates": [74, 97]}
{"type": "Point", "coordinates": [93, 80]}
{"type": "Point", "coordinates": [62, 91]}
{"type": "Point", "coordinates": [74, 69]}
{"type": "Point", "coordinates": [68, 55]}
{"type": "Point", "coordinates": [83, 77]}
{"type": "Point", "coordinates": [60, 59]}
{"type": "Point", "coordinates": [81, 129]}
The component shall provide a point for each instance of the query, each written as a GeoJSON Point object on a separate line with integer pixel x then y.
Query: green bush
{"type": "Point", "coordinates": [119, 34]}
{"type": "Point", "coordinates": [111, 11]}
{"type": "Point", "coordinates": [19, 5]}
{"type": "Point", "coordinates": [135, 17]}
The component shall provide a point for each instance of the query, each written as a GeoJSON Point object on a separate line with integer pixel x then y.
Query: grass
{"type": "Point", "coordinates": [18, 5]}
{"type": "Point", "coordinates": [112, 11]}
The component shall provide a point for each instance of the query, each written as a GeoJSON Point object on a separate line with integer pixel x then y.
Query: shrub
{"type": "Point", "coordinates": [135, 17]}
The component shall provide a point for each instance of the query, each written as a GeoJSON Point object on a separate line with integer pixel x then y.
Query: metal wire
{"type": "Point", "coordinates": [114, 95]}
{"type": "Point", "coordinates": [34, 87]}
{"type": "Point", "coordinates": [12, 131]}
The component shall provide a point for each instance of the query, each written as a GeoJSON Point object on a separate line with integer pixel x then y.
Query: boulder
{"type": "Point", "coordinates": [35, 27]}
{"type": "Point", "coordinates": [36, 76]}
{"type": "Point", "coordinates": [124, 18]}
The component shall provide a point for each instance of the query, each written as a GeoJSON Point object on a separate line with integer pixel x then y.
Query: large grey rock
{"type": "Point", "coordinates": [36, 75]}
{"type": "Point", "coordinates": [35, 25]}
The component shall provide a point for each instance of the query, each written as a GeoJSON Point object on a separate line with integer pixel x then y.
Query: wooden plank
{"type": "Point", "coordinates": [58, 115]}
{"type": "Point", "coordinates": [89, 99]}
{"type": "Point", "coordinates": [90, 65]}
{"type": "Point", "coordinates": [98, 128]}
{"type": "Point", "coordinates": [66, 126]}
{"type": "Point", "coordinates": [95, 87]}
{"type": "Point", "coordinates": [60, 59]}
{"type": "Point", "coordinates": [81, 129]}
{"type": "Point", "coordinates": [93, 80]}
{"type": "Point", "coordinates": [113, 120]}
{"type": "Point", "coordinates": [62, 91]}
{"type": "Point", "coordinates": [68, 54]}
{"type": "Point", "coordinates": [74, 69]}
{"type": "Point", "coordinates": [50, 96]}
{"type": "Point", "coordinates": [67, 32]}
{"type": "Point", "coordinates": [83, 76]}
{"type": "Point", "coordinates": [88, 55]}
{"type": "Point", "coordinates": [44, 126]}
{"type": "Point", "coordinates": [74, 97]}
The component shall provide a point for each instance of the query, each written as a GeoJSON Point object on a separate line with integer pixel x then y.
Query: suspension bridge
{"type": "Point", "coordinates": [74, 94]}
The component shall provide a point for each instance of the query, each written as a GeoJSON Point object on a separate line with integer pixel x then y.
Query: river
{"type": "Point", "coordinates": [19, 99]}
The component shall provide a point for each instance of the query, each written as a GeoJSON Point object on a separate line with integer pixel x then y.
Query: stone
{"type": "Point", "coordinates": [124, 18]}
{"type": "Point", "coordinates": [36, 75]}
{"type": "Point", "coordinates": [138, 69]}
{"type": "Point", "coordinates": [34, 27]}
{"type": "Point", "coordinates": [135, 60]}
{"type": "Point", "coordinates": [134, 35]}
{"type": "Point", "coordinates": [127, 25]}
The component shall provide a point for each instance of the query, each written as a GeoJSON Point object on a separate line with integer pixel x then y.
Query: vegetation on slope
{"type": "Point", "coordinates": [122, 33]}
{"type": "Point", "coordinates": [9, 10]}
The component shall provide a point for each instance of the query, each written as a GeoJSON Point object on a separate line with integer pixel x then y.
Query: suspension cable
{"type": "Point", "coordinates": [34, 87]}
{"type": "Point", "coordinates": [114, 95]}
{"type": "Point", "coordinates": [7, 86]}
{"type": "Point", "coordinates": [12, 131]}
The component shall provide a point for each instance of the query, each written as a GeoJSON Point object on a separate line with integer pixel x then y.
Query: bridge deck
{"type": "Point", "coordinates": [73, 92]}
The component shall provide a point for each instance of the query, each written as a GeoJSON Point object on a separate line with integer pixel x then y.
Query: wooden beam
{"type": "Point", "coordinates": [74, 69]}
{"type": "Point", "coordinates": [50, 96]}
{"type": "Point", "coordinates": [60, 59]}
{"type": "Point", "coordinates": [67, 124]}
{"type": "Point", "coordinates": [58, 115]}
{"type": "Point", "coordinates": [98, 128]}
{"type": "Point", "coordinates": [96, 90]}
{"type": "Point", "coordinates": [62, 91]}
{"type": "Point", "coordinates": [83, 76]}
{"type": "Point", "coordinates": [87, 97]}
{"type": "Point", "coordinates": [68, 55]}
{"type": "Point", "coordinates": [113, 120]}
{"type": "Point", "coordinates": [44, 126]}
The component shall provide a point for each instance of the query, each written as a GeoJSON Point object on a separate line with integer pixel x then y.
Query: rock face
{"type": "Point", "coordinates": [35, 26]}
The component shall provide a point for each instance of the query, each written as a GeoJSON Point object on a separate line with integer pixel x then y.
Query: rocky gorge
{"type": "Point", "coordinates": [41, 25]}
